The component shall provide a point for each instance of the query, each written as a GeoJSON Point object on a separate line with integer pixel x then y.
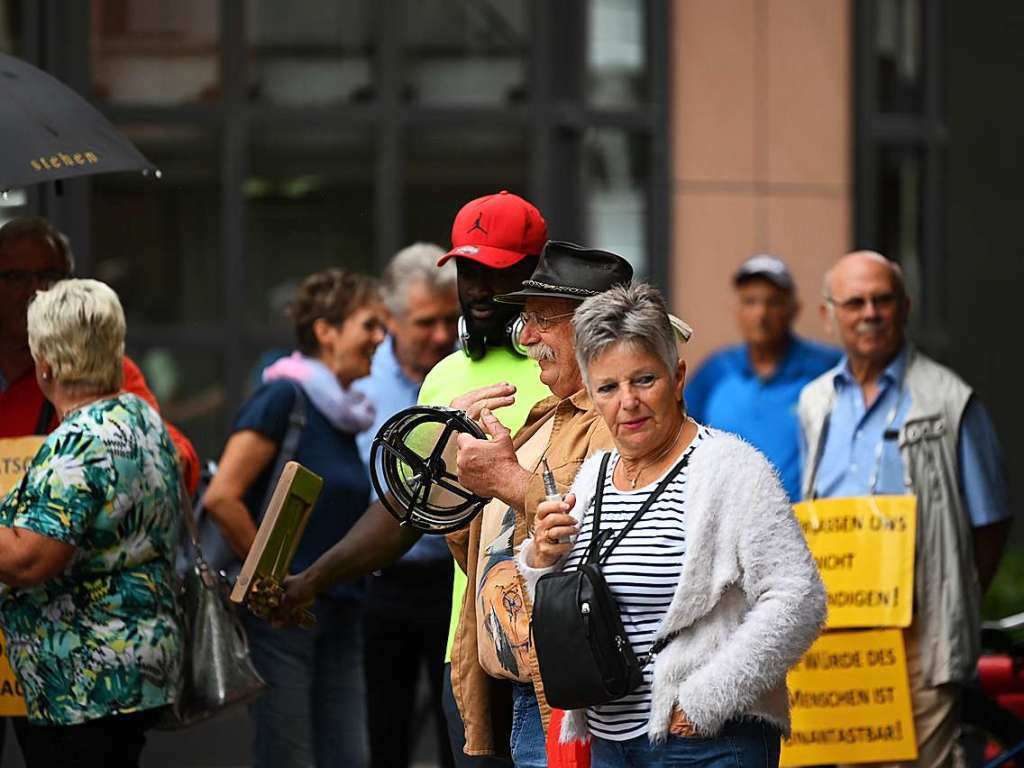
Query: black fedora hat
{"type": "Point", "coordinates": [570, 271]}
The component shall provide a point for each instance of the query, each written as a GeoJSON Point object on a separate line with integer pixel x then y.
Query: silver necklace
{"type": "Point", "coordinates": [655, 460]}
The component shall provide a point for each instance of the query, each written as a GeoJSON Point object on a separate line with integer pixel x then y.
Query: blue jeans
{"type": "Point", "coordinates": [740, 744]}
{"type": "Point", "coordinates": [315, 711]}
{"type": "Point", "coordinates": [528, 742]}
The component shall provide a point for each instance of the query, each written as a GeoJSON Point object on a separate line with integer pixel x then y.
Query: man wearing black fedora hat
{"type": "Point", "coordinates": [492, 640]}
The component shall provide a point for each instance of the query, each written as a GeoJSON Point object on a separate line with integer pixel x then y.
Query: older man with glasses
{"type": "Point", "coordinates": [888, 420]}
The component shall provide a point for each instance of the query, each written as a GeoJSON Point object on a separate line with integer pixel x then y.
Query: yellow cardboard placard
{"type": "Point", "coordinates": [850, 701]}
{"type": "Point", "coordinates": [12, 697]}
{"type": "Point", "coordinates": [864, 548]}
{"type": "Point", "coordinates": [16, 454]}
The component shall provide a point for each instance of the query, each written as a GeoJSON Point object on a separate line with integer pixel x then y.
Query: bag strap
{"type": "Point", "coordinates": [289, 445]}
{"type": "Point", "coordinates": [188, 517]}
{"type": "Point", "coordinates": [669, 477]}
{"type": "Point", "coordinates": [596, 539]}
{"type": "Point", "coordinates": [657, 647]}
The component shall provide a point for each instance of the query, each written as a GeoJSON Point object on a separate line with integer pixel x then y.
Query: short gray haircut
{"type": "Point", "coordinates": [78, 327]}
{"type": "Point", "coordinates": [416, 263]}
{"type": "Point", "coordinates": [38, 228]}
{"type": "Point", "coordinates": [632, 314]}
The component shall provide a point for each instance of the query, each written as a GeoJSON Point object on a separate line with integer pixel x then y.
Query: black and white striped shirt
{"type": "Point", "coordinates": [642, 573]}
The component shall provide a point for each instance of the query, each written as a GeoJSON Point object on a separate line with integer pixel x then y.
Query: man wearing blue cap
{"type": "Point", "coordinates": [752, 388]}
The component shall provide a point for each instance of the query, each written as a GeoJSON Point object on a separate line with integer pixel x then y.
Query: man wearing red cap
{"type": "Point", "coordinates": [496, 240]}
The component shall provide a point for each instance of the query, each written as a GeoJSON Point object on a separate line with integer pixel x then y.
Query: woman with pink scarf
{"type": "Point", "coordinates": [314, 711]}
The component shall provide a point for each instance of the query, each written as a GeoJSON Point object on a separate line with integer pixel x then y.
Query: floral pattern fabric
{"type": "Point", "coordinates": [102, 637]}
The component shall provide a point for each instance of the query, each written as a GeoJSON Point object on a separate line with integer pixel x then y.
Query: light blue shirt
{"type": "Point", "coordinates": [851, 452]}
{"type": "Point", "coordinates": [391, 391]}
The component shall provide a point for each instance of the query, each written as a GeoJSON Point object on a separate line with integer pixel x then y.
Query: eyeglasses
{"type": "Point", "coordinates": [543, 323]}
{"type": "Point", "coordinates": [855, 304]}
{"type": "Point", "coordinates": [26, 278]}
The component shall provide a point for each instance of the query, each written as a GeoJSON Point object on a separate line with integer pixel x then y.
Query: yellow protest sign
{"type": "Point", "coordinates": [864, 548]}
{"type": "Point", "coordinates": [12, 697]}
{"type": "Point", "coordinates": [849, 701]}
{"type": "Point", "coordinates": [16, 454]}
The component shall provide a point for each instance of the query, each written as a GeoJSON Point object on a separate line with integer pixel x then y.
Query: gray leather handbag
{"type": "Point", "coordinates": [216, 671]}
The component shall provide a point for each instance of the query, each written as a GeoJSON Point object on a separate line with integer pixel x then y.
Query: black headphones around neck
{"type": "Point", "coordinates": [475, 347]}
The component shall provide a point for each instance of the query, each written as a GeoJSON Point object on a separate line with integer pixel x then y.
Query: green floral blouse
{"type": "Point", "coordinates": [102, 637]}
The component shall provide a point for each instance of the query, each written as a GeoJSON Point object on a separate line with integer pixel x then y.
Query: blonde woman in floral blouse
{"type": "Point", "coordinates": [86, 541]}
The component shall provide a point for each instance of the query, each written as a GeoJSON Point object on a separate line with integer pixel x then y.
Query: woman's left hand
{"type": "Point", "coordinates": [680, 725]}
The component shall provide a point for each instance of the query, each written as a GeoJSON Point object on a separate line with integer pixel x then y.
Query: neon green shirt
{"type": "Point", "coordinates": [456, 375]}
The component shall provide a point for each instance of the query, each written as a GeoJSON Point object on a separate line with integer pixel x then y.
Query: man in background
{"type": "Point", "coordinates": [752, 388]}
{"type": "Point", "coordinates": [408, 603]}
{"type": "Point", "coordinates": [888, 420]}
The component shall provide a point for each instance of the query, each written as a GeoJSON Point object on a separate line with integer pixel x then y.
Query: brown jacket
{"type": "Point", "coordinates": [483, 701]}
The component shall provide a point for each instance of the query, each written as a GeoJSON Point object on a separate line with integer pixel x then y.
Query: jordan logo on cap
{"type": "Point", "coordinates": [476, 225]}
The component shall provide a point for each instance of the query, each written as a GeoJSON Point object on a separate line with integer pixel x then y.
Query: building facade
{"type": "Point", "coordinates": [685, 134]}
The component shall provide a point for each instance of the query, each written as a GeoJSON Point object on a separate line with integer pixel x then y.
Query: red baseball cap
{"type": "Point", "coordinates": [497, 230]}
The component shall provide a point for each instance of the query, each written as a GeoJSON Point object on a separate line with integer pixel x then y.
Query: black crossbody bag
{"type": "Point", "coordinates": [582, 648]}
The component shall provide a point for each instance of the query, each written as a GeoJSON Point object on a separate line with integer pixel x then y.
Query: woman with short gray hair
{"type": "Point", "coordinates": [713, 577]}
{"type": "Point", "coordinates": [634, 314]}
{"type": "Point", "coordinates": [86, 545]}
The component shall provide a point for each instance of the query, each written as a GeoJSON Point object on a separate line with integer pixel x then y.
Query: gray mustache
{"type": "Point", "coordinates": [540, 351]}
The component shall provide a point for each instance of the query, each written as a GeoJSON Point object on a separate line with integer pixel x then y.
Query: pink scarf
{"type": "Point", "coordinates": [347, 409]}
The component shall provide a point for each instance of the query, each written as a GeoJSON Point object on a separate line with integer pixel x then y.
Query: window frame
{"type": "Point", "coordinates": [53, 38]}
{"type": "Point", "coordinates": [925, 131]}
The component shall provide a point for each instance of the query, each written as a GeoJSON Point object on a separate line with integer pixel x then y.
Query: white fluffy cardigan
{"type": "Point", "coordinates": [749, 600]}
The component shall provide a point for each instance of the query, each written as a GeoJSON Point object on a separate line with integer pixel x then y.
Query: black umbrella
{"type": "Point", "coordinates": [48, 132]}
